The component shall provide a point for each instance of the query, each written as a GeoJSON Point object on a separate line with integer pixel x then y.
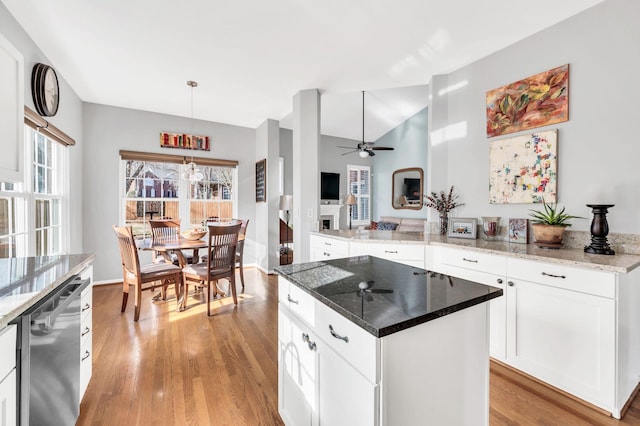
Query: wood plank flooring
{"type": "Point", "coordinates": [185, 368]}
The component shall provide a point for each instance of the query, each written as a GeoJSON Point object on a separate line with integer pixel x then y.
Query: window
{"type": "Point", "coordinates": [156, 189]}
{"type": "Point", "coordinates": [31, 214]}
{"type": "Point", "coordinates": [359, 184]}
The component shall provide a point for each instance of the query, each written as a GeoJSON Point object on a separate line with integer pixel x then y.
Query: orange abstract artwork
{"type": "Point", "coordinates": [535, 101]}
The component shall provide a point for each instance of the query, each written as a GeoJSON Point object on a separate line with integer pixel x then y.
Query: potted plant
{"type": "Point", "coordinates": [549, 225]}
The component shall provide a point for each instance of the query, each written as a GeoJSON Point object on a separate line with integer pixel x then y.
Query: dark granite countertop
{"type": "Point", "coordinates": [385, 297]}
{"type": "Point", "coordinates": [26, 280]}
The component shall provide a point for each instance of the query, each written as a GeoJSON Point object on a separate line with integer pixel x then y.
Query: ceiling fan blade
{"type": "Point", "coordinates": [346, 147]}
{"type": "Point", "coordinates": [351, 152]}
{"type": "Point", "coordinates": [371, 153]}
{"type": "Point", "coordinates": [382, 148]}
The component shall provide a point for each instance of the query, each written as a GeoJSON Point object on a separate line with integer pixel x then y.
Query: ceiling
{"type": "Point", "coordinates": [251, 57]}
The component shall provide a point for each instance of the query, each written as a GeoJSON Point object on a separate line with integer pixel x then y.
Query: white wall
{"type": "Point", "coordinates": [108, 129]}
{"type": "Point", "coordinates": [598, 146]}
{"type": "Point", "coordinates": [68, 119]}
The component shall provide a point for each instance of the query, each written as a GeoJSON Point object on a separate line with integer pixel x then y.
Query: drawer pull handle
{"type": "Point", "coordinates": [86, 307]}
{"type": "Point", "coordinates": [327, 244]}
{"type": "Point", "coordinates": [391, 251]}
{"type": "Point", "coordinates": [553, 276]}
{"type": "Point", "coordinates": [499, 280]}
{"type": "Point", "coordinates": [336, 335]}
{"type": "Point", "coordinates": [87, 354]}
{"type": "Point", "coordinates": [291, 300]}
{"type": "Point", "coordinates": [86, 331]}
{"type": "Point", "coordinates": [310, 343]}
{"type": "Point", "coordinates": [326, 254]}
{"type": "Point", "coordinates": [469, 260]}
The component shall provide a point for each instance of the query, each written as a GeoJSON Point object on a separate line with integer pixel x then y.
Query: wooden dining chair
{"type": "Point", "coordinates": [143, 277]}
{"type": "Point", "coordinates": [166, 231]}
{"type": "Point", "coordinates": [223, 241]}
{"type": "Point", "coordinates": [240, 249]}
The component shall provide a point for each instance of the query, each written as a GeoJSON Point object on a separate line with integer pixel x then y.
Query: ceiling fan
{"type": "Point", "coordinates": [365, 149]}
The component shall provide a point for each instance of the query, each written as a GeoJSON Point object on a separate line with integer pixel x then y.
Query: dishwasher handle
{"type": "Point", "coordinates": [48, 318]}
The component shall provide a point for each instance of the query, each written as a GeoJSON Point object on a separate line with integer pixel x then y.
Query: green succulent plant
{"type": "Point", "coordinates": [551, 216]}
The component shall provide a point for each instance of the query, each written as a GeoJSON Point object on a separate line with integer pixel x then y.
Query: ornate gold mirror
{"type": "Point", "coordinates": [407, 188]}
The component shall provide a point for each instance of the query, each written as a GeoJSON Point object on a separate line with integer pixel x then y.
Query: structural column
{"type": "Point", "coordinates": [267, 224]}
{"type": "Point", "coordinates": [306, 170]}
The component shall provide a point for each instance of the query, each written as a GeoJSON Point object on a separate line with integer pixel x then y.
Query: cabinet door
{"type": "Point", "coordinates": [564, 338]}
{"type": "Point", "coordinates": [11, 112]}
{"type": "Point", "coordinates": [8, 407]}
{"type": "Point", "coordinates": [346, 397]}
{"type": "Point", "coordinates": [297, 372]}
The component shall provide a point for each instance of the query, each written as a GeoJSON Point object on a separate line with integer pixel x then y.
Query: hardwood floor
{"type": "Point", "coordinates": [184, 368]}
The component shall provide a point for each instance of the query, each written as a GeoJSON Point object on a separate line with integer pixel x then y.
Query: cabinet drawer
{"type": "Point", "coordinates": [587, 281]}
{"type": "Point", "coordinates": [390, 251]}
{"type": "Point", "coordinates": [358, 347]}
{"type": "Point", "coordinates": [86, 302]}
{"type": "Point", "coordinates": [330, 244]}
{"type": "Point", "coordinates": [7, 350]}
{"type": "Point", "coordinates": [296, 300]}
{"type": "Point", "coordinates": [469, 259]}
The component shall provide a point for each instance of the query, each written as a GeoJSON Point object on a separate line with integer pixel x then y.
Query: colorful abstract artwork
{"type": "Point", "coordinates": [535, 101]}
{"type": "Point", "coordinates": [184, 141]}
{"type": "Point", "coordinates": [524, 169]}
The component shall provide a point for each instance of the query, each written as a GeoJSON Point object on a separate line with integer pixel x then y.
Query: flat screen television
{"type": "Point", "coordinates": [329, 186]}
{"type": "Point", "coordinates": [411, 189]}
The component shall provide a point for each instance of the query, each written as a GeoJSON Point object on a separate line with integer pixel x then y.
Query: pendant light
{"type": "Point", "coordinates": [193, 174]}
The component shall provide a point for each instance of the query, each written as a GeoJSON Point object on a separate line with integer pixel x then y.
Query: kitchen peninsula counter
{"type": "Point", "coordinates": [622, 263]}
{"type": "Point", "coordinates": [26, 280]}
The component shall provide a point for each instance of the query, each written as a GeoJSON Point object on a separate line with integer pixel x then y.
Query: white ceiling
{"type": "Point", "coordinates": [250, 57]}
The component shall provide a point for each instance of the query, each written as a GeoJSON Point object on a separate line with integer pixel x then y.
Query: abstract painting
{"type": "Point", "coordinates": [535, 101]}
{"type": "Point", "coordinates": [184, 141]}
{"type": "Point", "coordinates": [524, 169]}
{"type": "Point", "coordinates": [518, 231]}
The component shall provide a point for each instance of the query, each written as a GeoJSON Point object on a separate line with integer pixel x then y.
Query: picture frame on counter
{"type": "Point", "coordinates": [519, 231]}
{"type": "Point", "coordinates": [462, 227]}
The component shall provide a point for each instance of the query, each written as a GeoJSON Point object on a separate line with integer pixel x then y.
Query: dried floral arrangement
{"type": "Point", "coordinates": [442, 202]}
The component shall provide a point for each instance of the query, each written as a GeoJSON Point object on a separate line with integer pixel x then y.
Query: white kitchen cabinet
{"type": "Point", "coordinates": [11, 112]}
{"type": "Point", "coordinates": [486, 269]}
{"type": "Point", "coordinates": [562, 336]}
{"type": "Point", "coordinates": [8, 396]}
{"type": "Point", "coordinates": [317, 386]}
{"type": "Point", "coordinates": [408, 254]}
{"type": "Point", "coordinates": [86, 333]}
{"type": "Point", "coordinates": [325, 248]}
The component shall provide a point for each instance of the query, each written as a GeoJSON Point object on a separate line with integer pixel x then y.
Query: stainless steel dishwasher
{"type": "Point", "coordinates": [49, 357]}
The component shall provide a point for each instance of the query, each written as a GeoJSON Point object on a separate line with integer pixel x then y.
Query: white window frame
{"type": "Point", "coordinates": [359, 220]}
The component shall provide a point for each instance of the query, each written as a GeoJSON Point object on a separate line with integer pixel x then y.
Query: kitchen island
{"type": "Point", "coordinates": [364, 340]}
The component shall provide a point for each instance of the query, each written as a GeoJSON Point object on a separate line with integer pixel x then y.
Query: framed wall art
{"type": "Point", "coordinates": [261, 181]}
{"type": "Point", "coordinates": [519, 231]}
{"type": "Point", "coordinates": [536, 101]}
{"type": "Point", "coordinates": [524, 169]}
{"type": "Point", "coordinates": [460, 227]}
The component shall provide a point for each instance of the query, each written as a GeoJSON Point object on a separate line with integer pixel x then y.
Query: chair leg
{"type": "Point", "coordinates": [125, 297]}
{"type": "Point", "coordinates": [209, 298]}
{"type": "Point", "coordinates": [138, 300]}
{"type": "Point", "coordinates": [178, 289]}
{"type": "Point", "coordinates": [232, 284]}
{"type": "Point", "coordinates": [241, 274]}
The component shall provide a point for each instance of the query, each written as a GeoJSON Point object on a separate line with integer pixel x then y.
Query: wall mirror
{"type": "Point", "coordinates": [407, 188]}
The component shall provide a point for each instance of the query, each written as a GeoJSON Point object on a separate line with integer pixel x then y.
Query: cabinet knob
{"type": "Point", "coordinates": [510, 283]}
{"type": "Point", "coordinates": [499, 280]}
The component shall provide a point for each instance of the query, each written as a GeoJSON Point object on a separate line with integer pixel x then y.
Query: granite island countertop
{"type": "Point", "coordinates": [385, 297]}
{"type": "Point", "coordinates": [622, 263]}
{"type": "Point", "coordinates": [26, 280]}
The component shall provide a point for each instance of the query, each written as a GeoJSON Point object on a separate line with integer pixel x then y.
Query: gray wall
{"type": "Point", "coordinates": [410, 140]}
{"type": "Point", "coordinates": [68, 119]}
{"type": "Point", "coordinates": [598, 150]}
{"type": "Point", "coordinates": [108, 129]}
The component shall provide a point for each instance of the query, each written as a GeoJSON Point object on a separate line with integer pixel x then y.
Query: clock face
{"type": "Point", "coordinates": [45, 90]}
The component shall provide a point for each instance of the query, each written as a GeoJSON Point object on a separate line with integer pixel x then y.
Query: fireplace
{"type": "Point", "coordinates": [326, 222]}
{"type": "Point", "coordinates": [330, 216]}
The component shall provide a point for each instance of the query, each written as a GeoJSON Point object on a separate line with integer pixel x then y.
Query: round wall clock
{"type": "Point", "coordinates": [45, 90]}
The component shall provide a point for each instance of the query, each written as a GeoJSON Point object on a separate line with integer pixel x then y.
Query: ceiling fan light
{"type": "Point", "coordinates": [363, 154]}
